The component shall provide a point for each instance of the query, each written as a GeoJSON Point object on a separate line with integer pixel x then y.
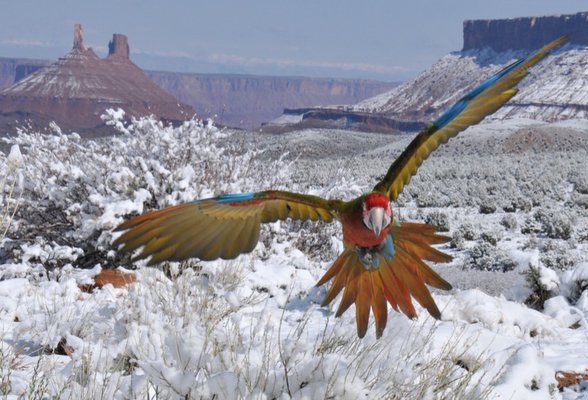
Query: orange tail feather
{"type": "Point", "coordinates": [395, 281]}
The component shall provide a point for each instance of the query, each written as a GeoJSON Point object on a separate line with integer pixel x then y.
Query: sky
{"type": "Point", "coordinates": [378, 39]}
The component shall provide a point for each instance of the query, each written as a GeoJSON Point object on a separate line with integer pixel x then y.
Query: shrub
{"type": "Point", "coordinates": [555, 225]}
{"type": "Point", "coordinates": [560, 261]}
{"type": "Point", "coordinates": [466, 231]}
{"type": "Point", "coordinates": [580, 200]}
{"type": "Point", "coordinates": [575, 285]}
{"type": "Point", "coordinates": [523, 204]}
{"type": "Point", "coordinates": [438, 219]}
{"type": "Point", "coordinates": [487, 207]}
{"type": "Point", "coordinates": [581, 184]}
{"type": "Point", "coordinates": [543, 282]}
{"type": "Point", "coordinates": [491, 237]}
{"type": "Point", "coordinates": [469, 231]}
{"type": "Point", "coordinates": [509, 221]}
{"type": "Point", "coordinates": [11, 183]}
{"type": "Point", "coordinates": [432, 199]}
{"type": "Point", "coordinates": [457, 241]}
{"type": "Point", "coordinates": [485, 257]}
{"type": "Point", "coordinates": [530, 226]}
{"type": "Point", "coordinates": [76, 190]}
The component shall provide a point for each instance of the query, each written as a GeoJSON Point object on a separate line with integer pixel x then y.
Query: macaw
{"type": "Point", "coordinates": [382, 260]}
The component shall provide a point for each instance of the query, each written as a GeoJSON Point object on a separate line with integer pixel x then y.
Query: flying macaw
{"type": "Point", "coordinates": [382, 258]}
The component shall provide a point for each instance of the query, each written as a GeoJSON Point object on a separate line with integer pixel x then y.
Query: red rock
{"type": "Point", "coordinates": [569, 378]}
{"type": "Point", "coordinates": [75, 90]}
{"type": "Point", "coordinates": [115, 277]}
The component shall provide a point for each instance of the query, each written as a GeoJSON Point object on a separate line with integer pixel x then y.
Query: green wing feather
{"type": "Point", "coordinates": [221, 227]}
{"type": "Point", "coordinates": [482, 101]}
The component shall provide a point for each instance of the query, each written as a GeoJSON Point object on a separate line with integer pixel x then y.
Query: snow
{"type": "Point", "coordinates": [555, 89]}
{"type": "Point", "coordinates": [253, 327]}
{"type": "Point", "coordinates": [287, 119]}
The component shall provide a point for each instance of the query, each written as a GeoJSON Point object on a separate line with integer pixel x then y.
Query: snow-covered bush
{"type": "Point", "coordinates": [557, 255]}
{"type": "Point", "coordinates": [486, 257]}
{"type": "Point", "coordinates": [491, 237]}
{"type": "Point", "coordinates": [579, 200]}
{"type": "Point", "coordinates": [509, 221]}
{"type": "Point", "coordinates": [438, 219]}
{"type": "Point", "coordinates": [543, 283]}
{"type": "Point", "coordinates": [75, 191]}
{"type": "Point", "coordinates": [531, 226]}
{"type": "Point", "coordinates": [316, 239]}
{"type": "Point", "coordinates": [432, 199]}
{"type": "Point", "coordinates": [465, 231]}
{"type": "Point", "coordinates": [555, 225]}
{"type": "Point", "coordinates": [523, 204]}
{"type": "Point", "coordinates": [487, 207]}
{"type": "Point", "coordinates": [580, 182]}
{"type": "Point", "coordinates": [10, 187]}
{"type": "Point", "coordinates": [575, 285]}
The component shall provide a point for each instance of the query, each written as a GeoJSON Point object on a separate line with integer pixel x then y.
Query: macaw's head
{"type": "Point", "coordinates": [376, 212]}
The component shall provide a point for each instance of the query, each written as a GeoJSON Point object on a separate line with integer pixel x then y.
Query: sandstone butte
{"type": "Point", "coordinates": [75, 90]}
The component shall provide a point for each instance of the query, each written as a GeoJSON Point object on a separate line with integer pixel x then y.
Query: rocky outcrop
{"type": "Point", "coordinates": [524, 33]}
{"type": "Point", "coordinates": [78, 41]}
{"type": "Point", "coordinates": [118, 46]}
{"type": "Point", "coordinates": [75, 91]}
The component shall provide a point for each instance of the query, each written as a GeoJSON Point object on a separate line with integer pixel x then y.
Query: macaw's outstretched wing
{"type": "Point", "coordinates": [482, 101]}
{"type": "Point", "coordinates": [394, 280]}
{"type": "Point", "coordinates": [220, 227]}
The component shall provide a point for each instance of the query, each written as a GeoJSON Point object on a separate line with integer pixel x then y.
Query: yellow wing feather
{"type": "Point", "coordinates": [222, 227]}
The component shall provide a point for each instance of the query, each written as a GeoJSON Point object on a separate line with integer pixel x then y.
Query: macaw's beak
{"type": "Point", "coordinates": [377, 220]}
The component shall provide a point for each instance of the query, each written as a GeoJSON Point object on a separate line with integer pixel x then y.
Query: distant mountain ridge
{"type": "Point", "coordinates": [557, 88]}
{"type": "Point", "coordinates": [244, 101]}
{"type": "Point", "coordinates": [247, 101]}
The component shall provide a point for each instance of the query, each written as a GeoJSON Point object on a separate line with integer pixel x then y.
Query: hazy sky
{"type": "Point", "coordinates": [379, 39]}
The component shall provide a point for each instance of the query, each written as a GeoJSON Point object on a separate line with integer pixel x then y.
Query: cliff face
{"type": "Point", "coordinates": [524, 33]}
{"type": "Point", "coordinates": [247, 101]}
{"type": "Point", "coordinates": [15, 69]}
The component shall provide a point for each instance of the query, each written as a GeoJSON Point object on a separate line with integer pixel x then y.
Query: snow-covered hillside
{"type": "Point", "coordinates": [556, 89]}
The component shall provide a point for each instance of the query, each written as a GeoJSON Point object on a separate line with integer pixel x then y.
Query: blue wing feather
{"type": "Point", "coordinates": [462, 103]}
{"type": "Point", "coordinates": [235, 197]}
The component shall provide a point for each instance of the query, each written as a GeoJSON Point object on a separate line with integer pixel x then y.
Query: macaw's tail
{"type": "Point", "coordinates": [395, 279]}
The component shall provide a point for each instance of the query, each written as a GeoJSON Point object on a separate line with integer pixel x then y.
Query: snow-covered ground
{"type": "Point", "coordinates": [516, 207]}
